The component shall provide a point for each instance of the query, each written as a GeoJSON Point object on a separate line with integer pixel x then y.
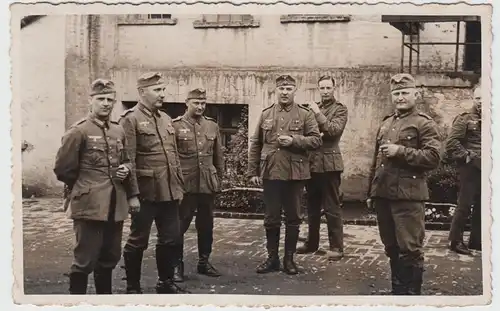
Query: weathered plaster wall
{"type": "Point", "coordinates": [42, 101]}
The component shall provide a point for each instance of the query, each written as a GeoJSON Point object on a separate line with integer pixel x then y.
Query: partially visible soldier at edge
{"type": "Point", "coordinates": [323, 189]}
{"type": "Point", "coordinates": [278, 160]}
{"type": "Point", "coordinates": [95, 168]}
{"type": "Point", "coordinates": [159, 182]}
{"type": "Point", "coordinates": [463, 146]}
{"type": "Point", "coordinates": [202, 163]}
{"type": "Point", "coordinates": [407, 146]}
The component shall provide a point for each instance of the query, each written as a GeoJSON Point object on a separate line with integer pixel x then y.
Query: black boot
{"type": "Point", "coordinates": [272, 262]}
{"type": "Point", "coordinates": [78, 283]}
{"type": "Point", "coordinates": [460, 248]}
{"type": "Point", "coordinates": [103, 281]}
{"type": "Point", "coordinates": [312, 243]}
{"type": "Point", "coordinates": [204, 267]}
{"type": "Point", "coordinates": [133, 265]}
{"type": "Point", "coordinates": [165, 260]}
{"type": "Point", "coordinates": [291, 236]}
{"type": "Point", "coordinates": [396, 283]}
{"type": "Point", "coordinates": [415, 287]}
{"type": "Point", "coordinates": [179, 265]}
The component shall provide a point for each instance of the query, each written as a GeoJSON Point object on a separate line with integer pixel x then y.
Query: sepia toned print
{"type": "Point", "coordinates": [263, 158]}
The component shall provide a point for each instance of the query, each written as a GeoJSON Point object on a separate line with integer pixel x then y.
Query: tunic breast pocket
{"type": "Point", "coordinates": [147, 138]}
{"type": "Point", "coordinates": [185, 141]}
{"type": "Point", "coordinates": [296, 127]}
{"type": "Point", "coordinates": [473, 127]}
{"type": "Point", "coordinates": [408, 137]}
{"type": "Point", "coordinates": [267, 130]}
{"type": "Point", "coordinates": [96, 153]}
{"type": "Point", "coordinates": [210, 137]}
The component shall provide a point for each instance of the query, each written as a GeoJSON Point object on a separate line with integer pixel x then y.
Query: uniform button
{"type": "Point", "coordinates": [278, 148]}
{"type": "Point", "coordinates": [94, 147]}
{"type": "Point", "coordinates": [414, 177]}
{"type": "Point", "coordinates": [198, 133]}
{"type": "Point", "coordinates": [281, 129]}
{"type": "Point", "coordinates": [388, 140]}
{"type": "Point", "coordinates": [185, 139]}
{"type": "Point", "coordinates": [393, 129]}
{"type": "Point", "coordinates": [200, 152]}
{"type": "Point", "coordinates": [382, 165]}
{"type": "Point", "coordinates": [199, 143]}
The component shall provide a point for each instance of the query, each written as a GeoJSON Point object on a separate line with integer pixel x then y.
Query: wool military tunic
{"type": "Point", "coordinates": [332, 120]}
{"type": "Point", "coordinates": [402, 177]}
{"type": "Point", "coordinates": [268, 159]}
{"type": "Point", "coordinates": [465, 138]}
{"type": "Point", "coordinates": [87, 161]}
{"type": "Point", "coordinates": [200, 154]}
{"type": "Point", "coordinates": [153, 151]}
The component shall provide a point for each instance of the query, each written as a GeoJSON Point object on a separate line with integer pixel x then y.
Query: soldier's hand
{"type": "Point", "coordinates": [285, 140]}
{"type": "Point", "coordinates": [122, 172]}
{"type": "Point", "coordinates": [389, 150]}
{"type": "Point", "coordinates": [369, 203]}
{"type": "Point", "coordinates": [255, 180]}
{"type": "Point", "coordinates": [134, 205]}
{"type": "Point", "coordinates": [314, 107]}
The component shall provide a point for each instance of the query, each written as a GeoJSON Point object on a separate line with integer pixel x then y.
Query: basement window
{"type": "Point", "coordinates": [146, 19]}
{"type": "Point", "coordinates": [314, 18]}
{"type": "Point", "coordinates": [226, 21]}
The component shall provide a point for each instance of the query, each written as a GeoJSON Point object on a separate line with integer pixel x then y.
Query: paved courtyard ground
{"type": "Point", "coordinates": [239, 247]}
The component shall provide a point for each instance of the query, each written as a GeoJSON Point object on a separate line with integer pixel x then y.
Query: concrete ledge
{"type": "Point", "coordinates": [359, 222]}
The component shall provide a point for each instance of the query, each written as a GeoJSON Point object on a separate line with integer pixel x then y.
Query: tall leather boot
{"type": "Point", "coordinates": [78, 283]}
{"type": "Point", "coordinates": [103, 281]}
{"type": "Point", "coordinates": [165, 259]}
{"type": "Point", "coordinates": [396, 284]}
{"type": "Point", "coordinates": [133, 265]}
{"type": "Point", "coordinates": [291, 236]}
{"type": "Point", "coordinates": [272, 262]}
{"type": "Point", "coordinates": [415, 287]}
{"type": "Point", "coordinates": [312, 243]}
{"type": "Point", "coordinates": [204, 249]}
{"type": "Point", "coordinates": [179, 264]}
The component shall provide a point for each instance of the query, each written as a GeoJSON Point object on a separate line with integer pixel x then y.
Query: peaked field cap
{"type": "Point", "coordinates": [149, 79]}
{"type": "Point", "coordinates": [402, 81]}
{"type": "Point", "coordinates": [285, 80]}
{"type": "Point", "coordinates": [102, 86]}
{"type": "Point", "coordinates": [198, 93]}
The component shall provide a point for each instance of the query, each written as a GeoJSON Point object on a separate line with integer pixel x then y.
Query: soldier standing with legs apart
{"type": "Point", "coordinates": [158, 178]}
{"type": "Point", "coordinates": [278, 159]}
{"type": "Point", "coordinates": [95, 169]}
{"type": "Point", "coordinates": [407, 146]}
{"type": "Point", "coordinates": [202, 162]}
{"type": "Point", "coordinates": [323, 189]}
{"type": "Point", "coordinates": [464, 147]}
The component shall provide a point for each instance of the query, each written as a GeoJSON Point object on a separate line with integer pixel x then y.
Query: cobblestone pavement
{"type": "Point", "coordinates": [239, 246]}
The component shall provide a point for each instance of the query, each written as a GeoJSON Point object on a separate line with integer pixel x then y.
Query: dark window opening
{"type": "Point", "coordinates": [227, 116]}
{"type": "Point", "coordinates": [159, 16]}
{"type": "Point", "coordinates": [472, 57]}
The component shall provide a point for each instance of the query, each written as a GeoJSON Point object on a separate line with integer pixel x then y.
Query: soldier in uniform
{"type": "Point", "coordinates": [323, 189]}
{"type": "Point", "coordinates": [158, 180]}
{"type": "Point", "coordinates": [407, 146]}
{"type": "Point", "coordinates": [278, 159]}
{"type": "Point", "coordinates": [93, 165]}
{"type": "Point", "coordinates": [464, 148]}
{"type": "Point", "coordinates": [202, 162]}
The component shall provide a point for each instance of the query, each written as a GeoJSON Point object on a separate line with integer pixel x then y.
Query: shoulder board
{"type": "Point", "coordinates": [114, 122]}
{"type": "Point", "coordinates": [210, 119]}
{"type": "Point", "coordinates": [268, 107]}
{"type": "Point", "coordinates": [79, 122]}
{"type": "Point", "coordinates": [424, 115]}
{"type": "Point", "coordinates": [464, 113]}
{"type": "Point", "coordinates": [304, 107]}
{"type": "Point", "coordinates": [127, 111]}
{"type": "Point", "coordinates": [388, 116]}
{"type": "Point", "coordinates": [177, 119]}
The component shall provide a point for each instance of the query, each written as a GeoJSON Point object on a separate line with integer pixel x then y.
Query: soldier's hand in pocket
{"type": "Point", "coordinates": [134, 205]}
{"type": "Point", "coordinates": [122, 172]}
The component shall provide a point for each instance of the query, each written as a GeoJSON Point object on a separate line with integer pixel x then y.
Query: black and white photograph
{"type": "Point", "coordinates": [272, 155]}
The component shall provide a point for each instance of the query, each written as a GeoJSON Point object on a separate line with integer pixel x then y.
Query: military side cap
{"type": "Point", "coordinates": [149, 79]}
{"type": "Point", "coordinates": [198, 93]}
{"type": "Point", "coordinates": [102, 86]}
{"type": "Point", "coordinates": [402, 81]}
{"type": "Point", "coordinates": [285, 80]}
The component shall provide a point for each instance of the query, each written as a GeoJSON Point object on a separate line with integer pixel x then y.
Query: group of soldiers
{"type": "Point", "coordinates": [164, 170]}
